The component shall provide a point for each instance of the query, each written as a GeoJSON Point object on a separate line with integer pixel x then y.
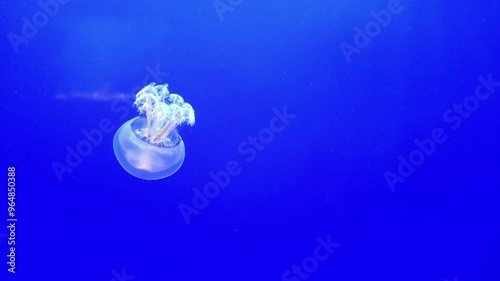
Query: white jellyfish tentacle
{"type": "Point", "coordinates": [175, 99]}
{"type": "Point", "coordinates": [164, 112]}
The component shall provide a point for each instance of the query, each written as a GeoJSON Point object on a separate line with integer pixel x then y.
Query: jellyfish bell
{"type": "Point", "coordinates": [149, 146]}
{"type": "Point", "coordinates": [144, 160]}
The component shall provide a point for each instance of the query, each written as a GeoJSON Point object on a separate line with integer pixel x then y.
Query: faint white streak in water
{"type": "Point", "coordinates": [105, 94]}
{"type": "Point", "coordinates": [94, 96]}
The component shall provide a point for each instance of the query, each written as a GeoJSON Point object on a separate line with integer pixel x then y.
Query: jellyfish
{"type": "Point", "coordinates": [149, 146]}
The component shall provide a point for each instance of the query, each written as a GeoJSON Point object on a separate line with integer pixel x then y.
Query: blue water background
{"type": "Point", "coordinates": [322, 176]}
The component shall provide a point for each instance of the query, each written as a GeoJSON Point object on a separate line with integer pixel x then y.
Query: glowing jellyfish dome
{"type": "Point", "coordinates": [149, 146]}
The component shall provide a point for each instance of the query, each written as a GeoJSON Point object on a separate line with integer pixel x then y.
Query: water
{"type": "Point", "coordinates": [334, 140]}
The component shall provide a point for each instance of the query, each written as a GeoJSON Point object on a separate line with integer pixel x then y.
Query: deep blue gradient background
{"type": "Point", "coordinates": [323, 175]}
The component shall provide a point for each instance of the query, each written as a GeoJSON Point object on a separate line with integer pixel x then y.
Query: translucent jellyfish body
{"type": "Point", "coordinates": [149, 146]}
